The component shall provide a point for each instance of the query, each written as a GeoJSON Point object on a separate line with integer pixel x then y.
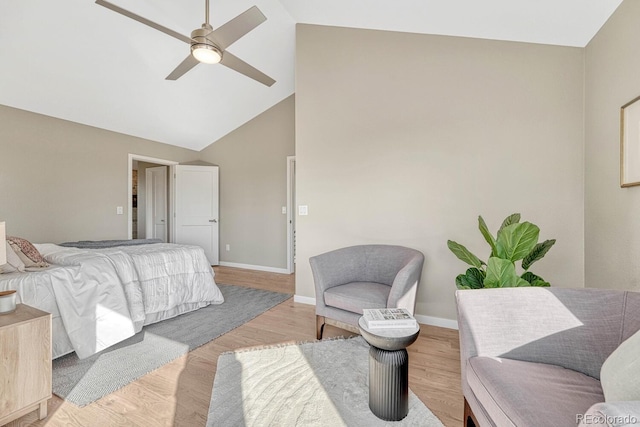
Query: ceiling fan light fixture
{"type": "Point", "coordinates": [206, 53]}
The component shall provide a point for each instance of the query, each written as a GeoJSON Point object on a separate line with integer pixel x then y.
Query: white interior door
{"type": "Point", "coordinates": [156, 203]}
{"type": "Point", "coordinates": [196, 208]}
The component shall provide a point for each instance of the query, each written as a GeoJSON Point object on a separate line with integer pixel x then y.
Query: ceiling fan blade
{"type": "Point", "coordinates": [184, 66]}
{"type": "Point", "coordinates": [143, 20]}
{"type": "Point", "coordinates": [237, 64]}
{"type": "Point", "coordinates": [230, 32]}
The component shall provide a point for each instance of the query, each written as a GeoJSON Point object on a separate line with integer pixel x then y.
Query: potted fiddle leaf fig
{"type": "Point", "coordinates": [514, 241]}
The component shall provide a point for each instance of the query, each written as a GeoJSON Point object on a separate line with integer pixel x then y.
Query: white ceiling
{"type": "Point", "coordinates": [78, 61]}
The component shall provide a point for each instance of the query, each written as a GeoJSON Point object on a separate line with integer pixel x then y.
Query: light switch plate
{"type": "Point", "coordinates": [284, 210]}
{"type": "Point", "coordinates": [119, 210]}
{"type": "Point", "coordinates": [303, 210]}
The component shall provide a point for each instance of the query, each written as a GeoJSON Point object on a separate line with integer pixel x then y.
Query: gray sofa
{"type": "Point", "coordinates": [364, 276]}
{"type": "Point", "coordinates": [532, 356]}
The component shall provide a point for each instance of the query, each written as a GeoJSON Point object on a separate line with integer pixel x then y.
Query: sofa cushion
{"type": "Point", "coordinates": [355, 296]}
{"type": "Point", "coordinates": [620, 373]}
{"type": "Point", "coordinates": [517, 393]}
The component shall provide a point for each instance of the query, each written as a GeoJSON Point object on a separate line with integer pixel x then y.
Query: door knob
{"type": "Point", "coordinates": [213, 220]}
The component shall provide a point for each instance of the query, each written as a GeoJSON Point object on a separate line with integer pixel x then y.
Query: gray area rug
{"type": "Point", "coordinates": [318, 384]}
{"type": "Point", "coordinates": [84, 381]}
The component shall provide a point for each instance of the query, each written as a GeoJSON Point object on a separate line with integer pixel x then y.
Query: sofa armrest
{"type": "Point", "coordinates": [611, 414]}
{"type": "Point", "coordinates": [572, 328]}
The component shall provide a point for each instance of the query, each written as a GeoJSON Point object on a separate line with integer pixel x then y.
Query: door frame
{"type": "Point", "coordinates": [170, 196]}
{"type": "Point", "coordinates": [291, 170]}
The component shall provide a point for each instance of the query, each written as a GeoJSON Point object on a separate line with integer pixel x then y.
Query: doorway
{"type": "Point", "coordinates": [137, 196]}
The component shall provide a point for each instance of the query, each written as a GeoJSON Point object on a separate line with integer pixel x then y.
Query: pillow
{"type": "Point", "coordinates": [27, 252]}
{"type": "Point", "coordinates": [620, 373]}
{"type": "Point", "coordinates": [14, 263]}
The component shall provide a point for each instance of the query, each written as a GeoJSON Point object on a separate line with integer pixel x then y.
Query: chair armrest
{"type": "Point", "coordinates": [611, 414]}
{"type": "Point", "coordinates": [572, 328]}
{"type": "Point", "coordinates": [331, 269]}
{"type": "Point", "coordinates": [405, 285]}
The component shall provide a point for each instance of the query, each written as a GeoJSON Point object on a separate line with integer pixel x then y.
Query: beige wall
{"type": "Point", "coordinates": [253, 184]}
{"type": "Point", "coordinates": [62, 181]}
{"type": "Point", "coordinates": [612, 228]}
{"type": "Point", "coordinates": [404, 139]}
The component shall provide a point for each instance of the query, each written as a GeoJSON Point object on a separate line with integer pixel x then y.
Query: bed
{"type": "Point", "coordinates": [99, 297]}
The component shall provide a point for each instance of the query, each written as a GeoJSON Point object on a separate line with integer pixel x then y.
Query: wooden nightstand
{"type": "Point", "coordinates": [25, 363]}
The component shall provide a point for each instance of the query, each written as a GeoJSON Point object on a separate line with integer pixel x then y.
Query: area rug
{"type": "Point", "coordinates": [84, 381]}
{"type": "Point", "coordinates": [318, 384]}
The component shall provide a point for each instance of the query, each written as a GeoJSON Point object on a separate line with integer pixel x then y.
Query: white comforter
{"type": "Point", "coordinates": [104, 296]}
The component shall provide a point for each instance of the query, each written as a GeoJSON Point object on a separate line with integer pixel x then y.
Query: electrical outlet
{"type": "Point", "coordinates": [228, 247]}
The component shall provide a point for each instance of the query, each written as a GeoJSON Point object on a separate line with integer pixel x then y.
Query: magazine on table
{"type": "Point", "coordinates": [380, 318]}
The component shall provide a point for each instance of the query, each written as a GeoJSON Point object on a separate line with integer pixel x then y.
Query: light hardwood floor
{"type": "Point", "coordinates": [178, 393]}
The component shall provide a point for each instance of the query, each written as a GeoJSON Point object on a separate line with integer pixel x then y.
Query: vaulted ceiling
{"type": "Point", "coordinates": [78, 61]}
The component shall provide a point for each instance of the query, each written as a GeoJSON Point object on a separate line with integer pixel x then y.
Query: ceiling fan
{"type": "Point", "coordinates": [209, 45]}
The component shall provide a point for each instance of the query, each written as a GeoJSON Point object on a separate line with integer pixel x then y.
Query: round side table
{"type": "Point", "coordinates": [389, 370]}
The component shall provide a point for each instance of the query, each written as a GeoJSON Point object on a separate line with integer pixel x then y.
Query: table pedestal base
{"type": "Point", "coordinates": [389, 383]}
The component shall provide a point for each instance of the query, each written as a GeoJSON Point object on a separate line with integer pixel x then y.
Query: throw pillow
{"type": "Point", "coordinates": [14, 263]}
{"type": "Point", "coordinates": [620, 373]}
{"type": "Point", "coordinates": [27, 252]}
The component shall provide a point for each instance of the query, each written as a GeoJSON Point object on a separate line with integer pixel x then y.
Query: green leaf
{"type": "Point", "coordinates": [541, 283]}
{"type": "Point", "coordinates": [530, 277]}
{"type": "Point", "coordinates": [534, 279]}
{"type": "Point", "coordinates": [487, 235]}
{"type": "Point", "coordinates": [473, 279]}
{"type": "Point", "coordinates": [463, 254]}
{"type": "Point", "coordinates": [511, 219]}
{"type": "Point", "coordinates": [501, 273]}
{"type": "Point", "coordinates": [521, 283]}
{"type": "Point", "coordinates": [459, 284]}
{"type": "Point", "coordinates": [515, 241]}
{"type": "Point", "coordinates": [537, 253]}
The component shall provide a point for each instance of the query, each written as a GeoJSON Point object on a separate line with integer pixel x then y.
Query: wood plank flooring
{"type": "Point", "coordinates": [178, 393]}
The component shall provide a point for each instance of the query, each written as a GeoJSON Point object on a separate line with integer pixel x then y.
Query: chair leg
{"type": "Point", "coordinates": [319, 326]}
{"type": "Point", "coordinates": [469, 418]}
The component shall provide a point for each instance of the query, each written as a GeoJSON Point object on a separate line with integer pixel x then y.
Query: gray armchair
{"type": "Point", "coordinates": [367, 276]}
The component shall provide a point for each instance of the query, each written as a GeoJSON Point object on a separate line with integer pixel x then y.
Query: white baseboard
{"type": "Point", "coordinates": [424, 320]}
{"type": "Point", "coordinates": [437, 321]}
{"type": "Point", "coordinates": [304, 300]}
{"type": "Point", "coordinates": [254, 267]}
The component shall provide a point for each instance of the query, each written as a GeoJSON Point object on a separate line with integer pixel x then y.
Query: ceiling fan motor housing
{"type": "Point", "coordinates": [200, 40]}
